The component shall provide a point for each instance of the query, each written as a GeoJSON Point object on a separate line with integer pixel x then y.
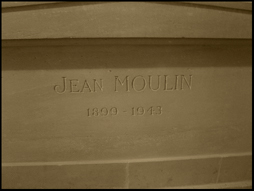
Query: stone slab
{"type": "Point", "coordinates": [205, 108]}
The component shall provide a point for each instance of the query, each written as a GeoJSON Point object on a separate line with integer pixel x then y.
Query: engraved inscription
{"type": "Point", "coordinates": [151, 83]}
{"type": "Point", "coordinates": [76, 86]}
{"type": "Point", "coordinates": [143, 82]}
{"type": "Point", "coordinates": [73, 86]}
{"type": "Point", "coordinates": [188, 82]}
{"type": "Point", "coordinates": [138, 83]}
{"type": "Point", "coordinates": [57, 87]}
{"type": "Point", "coordinates": [139, 111]}
{"type": "Point", "coordinates": [154, 83]}
{"type": "Point", "coordinates": [102, 111]}
{"type": "Point", "coordinates": [134, 111]}
{"type": "Point", "coordinates": [127, 83]}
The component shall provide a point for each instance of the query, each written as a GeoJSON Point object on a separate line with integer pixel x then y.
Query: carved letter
{"type": "Point", "coordinates": [133, 81]}
{"type": "Point", "coordinates": [64, 86]}
{"type": "Point", "coordinates": [166, 84]}
{"type": "Point", "coordinates": [188, 83]}
{"type": "Point", "coordinates": [122, 83]}
{"type": "Point", "coordinates": [86, 85]}
{"type": "Point", "coordinates": [99, 85]}
{"type": "Point", "coordinates": [150, 83]}
{"type": "Point", "coordinates": [176, 82]}
{"type": "Point", "coordinates": [72, 85]}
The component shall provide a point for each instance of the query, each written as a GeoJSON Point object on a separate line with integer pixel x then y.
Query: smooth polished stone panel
{"type": "Point", "coordinates": [67, 102]}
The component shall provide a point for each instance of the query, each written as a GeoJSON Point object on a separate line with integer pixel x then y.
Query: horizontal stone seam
{"type": "Point", "coordinates": [61, 163]}
{"type": "Point", "coordinates": [215, 185]}
{"type": "Point", "coordinates": [130, 41]}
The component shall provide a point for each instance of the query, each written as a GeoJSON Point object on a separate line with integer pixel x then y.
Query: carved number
{"type": "Point", "coordinates": [140, 111]}
{"type": "Point", "coordinates": [102, 111]}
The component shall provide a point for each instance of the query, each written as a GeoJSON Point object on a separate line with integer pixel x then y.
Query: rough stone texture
{"type": "Point", "coordinates": [235, 169]}
{"type": "Point", "coordinates": [126, 19]}
{"type": "Point", "coordinates": [65, 177]}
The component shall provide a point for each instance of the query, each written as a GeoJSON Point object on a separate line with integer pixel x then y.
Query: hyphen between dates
{"type": "Point", "coordinates": [113, 111]}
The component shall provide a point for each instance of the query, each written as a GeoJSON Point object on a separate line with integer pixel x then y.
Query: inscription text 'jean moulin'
{"type": "Point", "coordinates": [137, 83]}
